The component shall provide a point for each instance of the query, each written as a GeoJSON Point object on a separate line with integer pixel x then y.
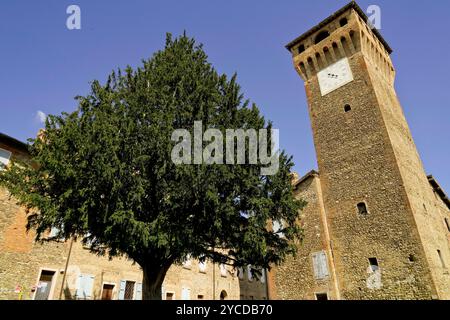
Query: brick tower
{"type": "Point", "coordinates": [382, 226]}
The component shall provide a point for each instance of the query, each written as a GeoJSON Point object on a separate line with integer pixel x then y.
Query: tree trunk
{"type": "Point", "coordinates": [152, 281]}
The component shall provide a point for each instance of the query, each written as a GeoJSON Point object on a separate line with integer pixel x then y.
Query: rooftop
{"type": "Point", "coordinates": [352, 5]}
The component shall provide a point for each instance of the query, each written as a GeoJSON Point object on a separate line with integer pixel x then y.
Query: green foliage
{"type": "Point", "coordinates": [104, 173]}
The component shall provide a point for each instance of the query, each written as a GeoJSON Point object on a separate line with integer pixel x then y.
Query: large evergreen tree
{"type": "Point", "coordinates": [104, 173]}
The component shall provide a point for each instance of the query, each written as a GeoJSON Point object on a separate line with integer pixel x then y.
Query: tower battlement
{"type": "Point", "coordinates": [343, 34]}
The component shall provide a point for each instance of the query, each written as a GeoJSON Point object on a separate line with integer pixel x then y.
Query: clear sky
{"type": "Point", "coordinates": [43, 65]}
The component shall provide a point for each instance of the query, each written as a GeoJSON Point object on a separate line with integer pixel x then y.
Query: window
{"type": "Point", "coordinates": [170, 296]}
{"type": "Point", "coordinates": [5, 155]}
{"type": "Point", "coordinates": [200, 297]}
{"type": "Point", "coordinates": [343, 22]}
{"type": "Point", "coordinates": [223, 270]}
{"type": "Point", "coordinates": [223, 295]}
{"type": "Point", "coordinates": [321, 36]}
{"type": "Point", "coordinates": [301, 48]}
{"type": "Point", "coordinates": [322, 296]}
{"type": "Point", "coordinates": [347, 108]}
{"type": "Point", "coordinates": [362, 208]}
{"type": "Point", "coordinates": [320, 265]}
{"type": "Point", "coordinates": [44, 285]}
{"type": "Point", "coordinates": [85, 284]}
{"type": "Point", "coordinates": [130, 290]}
{"type": "Point", "coordinates": [441, 258]}
{"type": "Point", "coordinates": [447, 223]}
{"type": "Point", "coordinates": [373, 263]}
{"type": "Point", "coordinates": [107, 291]}
{"type": "Point", "coordinates": [185, 294]}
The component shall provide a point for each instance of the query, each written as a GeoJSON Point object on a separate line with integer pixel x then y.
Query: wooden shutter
{"type": "Point", "coordinates": [123, 284]}
{"type": "Point", "coordinates": [138, 293]}
{"type": "Point", "coordinates": [320, 265]}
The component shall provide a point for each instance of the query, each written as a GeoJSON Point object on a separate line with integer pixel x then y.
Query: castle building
{"type": "Point", "coordinates": [376, 226]}
{"type": "Point", "coordinates": [68, 270]}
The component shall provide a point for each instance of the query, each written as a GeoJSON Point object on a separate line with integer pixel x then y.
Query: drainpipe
{"type": "Point", "coordinates": [65, 269]}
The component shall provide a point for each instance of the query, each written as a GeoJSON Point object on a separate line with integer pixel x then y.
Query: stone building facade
{"type": "Point", "coordinates": [376, 227]}
{"type": "Point", "coordinates": [30, 270]}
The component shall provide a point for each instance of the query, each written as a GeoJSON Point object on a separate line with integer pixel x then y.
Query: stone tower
{"type": "Point", "coordinates": [383, 229]}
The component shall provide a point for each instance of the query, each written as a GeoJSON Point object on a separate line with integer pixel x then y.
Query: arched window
{"type": "Point", "coordinates": [301, 48]}
{"type": "Point", "coordinates": [343, 22]}
{"type": "Point", "coordinates": [223, 295]}
{"type": "Point", "coordinates": [362, 208]}
{"type": "Point", "coordinates": [347, 108]}
{"type": "Point", "coordinates": [321, 36]}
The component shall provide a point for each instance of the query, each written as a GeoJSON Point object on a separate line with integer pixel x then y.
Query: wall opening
{"type": "Point", "coordinates": [301, 48]}
{"type": "Point", "coordinates": [223, 295]}
{"type": "Point", "coordinates": [321, 36]}
{"type": "Point", "coordinates": [447, 223]}
{"type": "Point", "coordinates": [362, 208]}
{"type": "Point", "coordinates": [441, 258]}
{"type": "Point", "coordinates": [412, 258]}
{"type": "Point", "coordinates": [347, 108]}
{"type": "Point", "coordinates": [373, 263]}
{"type": "Point", "coordinates": [343, 22]}
{"type": "Point", "coordinates": [321, 296]}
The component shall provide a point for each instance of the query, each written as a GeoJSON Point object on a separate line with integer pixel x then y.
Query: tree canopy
{"type": "Point", "coordinates": [104, 172]}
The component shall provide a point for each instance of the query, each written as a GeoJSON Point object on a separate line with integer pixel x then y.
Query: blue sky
{"type": "Point", "coordinates": [43, 65]}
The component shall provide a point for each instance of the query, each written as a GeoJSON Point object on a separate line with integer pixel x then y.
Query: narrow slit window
{"type": "Point", "coordinates": [447, 223]}
{"type": "Point", "coordinates": [441, 258]}
{"type": "Point", "coordinates": [362, 208]}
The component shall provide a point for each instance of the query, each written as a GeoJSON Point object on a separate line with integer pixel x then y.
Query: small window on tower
{"type": "Point", "coordinates": [447, 223]}
{"type": "Point", "coordinates": [321, 36]}
{"type": "Point", "coordinates": [322, 296]}
{"type": "Point", "coordinates": [373, 262]}
{"type": "Point", "coordinates": [343, 22]}
{"type": "Point", "coordinates": [301, 48]}
{"type": "Point", "coordinates": [362, 208]}
{"type": "Point", "coordinates": [347, 108]}
{"type": "Point", "coordinates": [441, 258]}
